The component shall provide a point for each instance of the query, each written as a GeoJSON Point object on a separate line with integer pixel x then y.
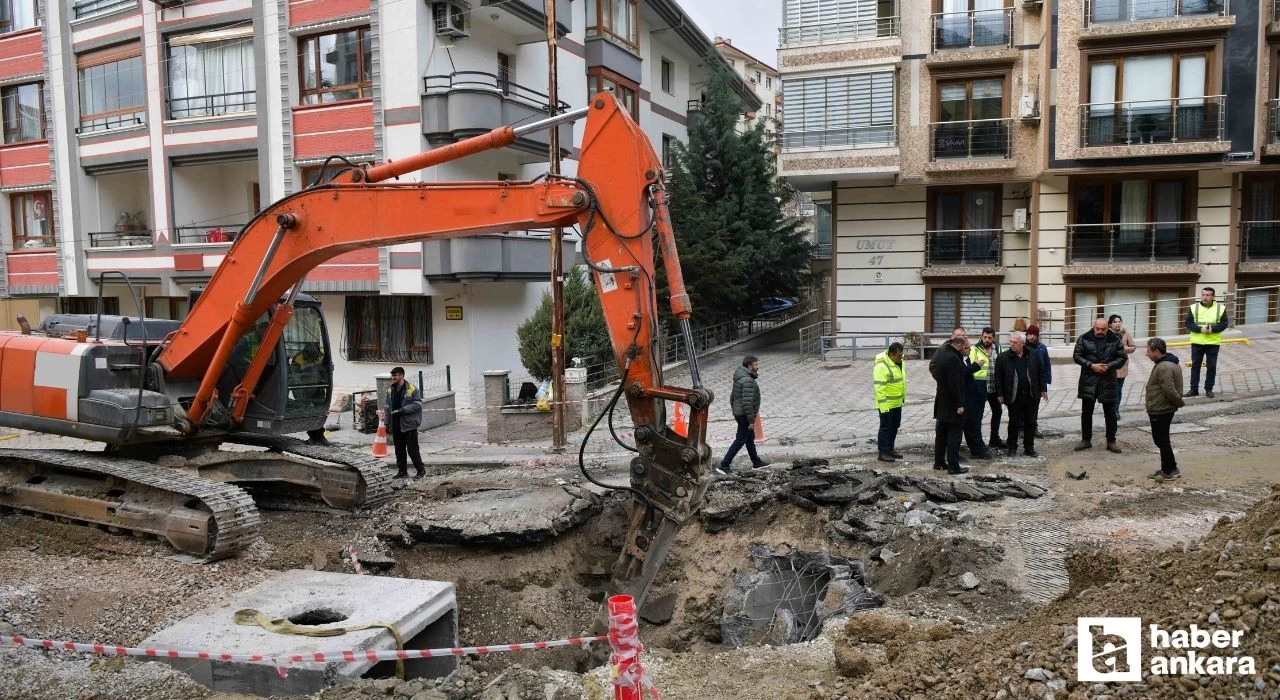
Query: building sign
{"type": "Point", "coordinates": [453, 313]}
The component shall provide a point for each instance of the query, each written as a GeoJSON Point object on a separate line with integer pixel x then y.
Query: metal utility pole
{"type": "Point", "coordinates": [558, 405]}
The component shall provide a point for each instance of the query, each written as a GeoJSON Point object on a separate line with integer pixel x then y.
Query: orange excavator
{"type": "Point", "coordinates": [164, 396]}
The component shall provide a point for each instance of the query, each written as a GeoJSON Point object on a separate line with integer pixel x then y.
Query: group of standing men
{"type": "Point", "coordinates": [971, 377]}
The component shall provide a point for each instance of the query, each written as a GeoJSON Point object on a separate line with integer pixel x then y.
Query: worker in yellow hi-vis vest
{"type": "Point", "coordinates": [890, 380]}
{"type": "Point", "coordinates": [1206, 321]}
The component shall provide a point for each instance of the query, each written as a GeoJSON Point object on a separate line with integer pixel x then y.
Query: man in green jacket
{"type": "Point", "coordinates": [1164, 398]}
{"type": "Point", "coordinates": [890, 380]}
{"type": "Point", "coordinates": [744, 399]}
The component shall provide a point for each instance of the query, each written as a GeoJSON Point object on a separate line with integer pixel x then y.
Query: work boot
{"type": "Point", "coordinates": [957, 470]}
{"type": "Point", "coordinates": [1189, 394]}
{"type": "Point", "coordinates": [420, 473]}
{"type": "Point", "coordinates": [402, 474]}
{"type": "Point", "coordinates": [1113, 446]}
{"type": "Point", "coordinates": [1083, 445]}
{"type": "Point", "coordinates": [1208, 392]}
{"type": "Point", "coordinates": [886, 458]}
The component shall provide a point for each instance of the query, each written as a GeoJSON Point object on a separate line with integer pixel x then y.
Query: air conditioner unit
{"type": "Point", "coordinates": [1027, 107]}
{"type": "Point", "coordinates": [1020, 222]}
{"type": "Point", "coordinates": [451, 18]}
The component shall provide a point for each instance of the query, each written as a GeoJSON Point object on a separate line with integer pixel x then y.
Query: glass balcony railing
{"type": "Point", "coordinates": [1153, 121]}
{"type": "Point", "coordinates": [973, 29]}
{"type": "Point", "coordinates": [1260, 241]}
{"type": "Point", "coordinates": [963, 247]}
{"type": "Point", "coordinates": [981, 138]}
{"type": "Point", "coordinates": [1118, 11]}
{"type": "Point", "coordinates": [1153, 242]}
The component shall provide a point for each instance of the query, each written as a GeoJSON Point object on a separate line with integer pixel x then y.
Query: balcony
{"type": "Point", "coordinates": [492, 257]}
{"type": "Point", "coordinates": [839, 32]}
{"type": "Point", "coordinates": [469, 103]}
{"type": "Point", "coordinates": [126, 236]}
{"type": "Point", "coordinates": [882, 136]}
{"type": "Point", "coordinates": [1129, 11]}
{"type": "Point", "coordinates": [1153, 242]}
{"type": "Point", "coordinates": [1260, 241]}
{"type": "Point", "coordinates": [971, 247]}
{"type": "Point", "coordinates": [981, 138]}
{"type": "Point", "coordinates": [1273, 120]}
{"type": "Point", "coordinates": [973, 29]}
{"type": "Point", "coordinates": [1153, 121]}
{"type": "Point", "coordinates": [205, 235]}
{"type": "Point", "coordinates": [89, 8]}
{"type": "Point", "coordinates": [212, 105]}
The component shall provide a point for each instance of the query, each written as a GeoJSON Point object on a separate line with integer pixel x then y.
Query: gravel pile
{"type": "Point", "coordinates": [468, 683]}
{"type": "Point", "coordinates": [29, 674]}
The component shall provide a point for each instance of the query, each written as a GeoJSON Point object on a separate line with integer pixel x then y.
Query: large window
{"type": "Point", "coordinates": [667, 71]}
{"type": "Point", "coordinates": [839, 110]}
{"type": "Point", "coordinates": [211, 74]}
{"type": "Point", "coordinates": [971, 119]}
{"type": "Point", "coordinates": [16, 15]}
{"type": "Point", "coordinates": [614, 18]}
{"type": "Point", "coordinates": [32, 219]}
{"type": "Point", "coordinates": [1133, 219]}
{"type": "Point", "coordinates": [966, 23]}
{"type": "Point", "coordinates": [388, 329]}
{"type": "Point", "coordinates": [1151, 98]}
{"type": "Point", "coordinates": [1146, 311]}
{"type": "Point", "coordinates": [112, 94]}
{"type": "Point", "coordinates": [1261, 220]}
{"type": "Point", "coordinates": [968, 307]}
{"type": "Point", "coordinates": [23, 107]}
{"type": "Point", "coordinates": [1131, 11]}
{"type": "Point", "coordinates": [622, 89]}
{"type": "Point", "coordinates": [668, 150]}
{"type": "Point", "coordinates": [336, 66]}
{"type": "Point", "coordinates": [819, 21]}
{"type": "Point", "coordinates": [965, 227]}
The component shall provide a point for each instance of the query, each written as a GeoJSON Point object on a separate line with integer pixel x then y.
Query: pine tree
{"type": "Point", "coordinates": [736, 245]}
{"type": "Point", "coordinates": [585, 332]}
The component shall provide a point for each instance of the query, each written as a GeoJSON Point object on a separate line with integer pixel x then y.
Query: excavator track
{"type": "Point", "coordinates": [373, 487]}
{"type": "Point", "coordinates": [197, 516]}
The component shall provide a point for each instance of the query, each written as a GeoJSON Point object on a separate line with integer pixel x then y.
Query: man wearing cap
{"type": "Point", "coordinates": [1040, 350]}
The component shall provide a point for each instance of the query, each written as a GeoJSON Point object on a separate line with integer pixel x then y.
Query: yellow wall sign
{"type": "Point", "coordinates": [453, 313]}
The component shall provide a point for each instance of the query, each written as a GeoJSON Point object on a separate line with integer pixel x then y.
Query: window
{"type": "Point", "coordinates": [757, 77]}
{"type": "Point", "coordinates": [89, 8]}
{"type": "Point", "coordinates": [614, 18]}
{"type": "Point", "coordinates": [1126, 11]}
{"type": "Point", "coordinates": [971, 119]}
{"type": "Point", "coordinates": [768, 110]}
{"type": "Point", "coordinates": [89, 305]}
{"type": "Point", "coordinates": [211, 77]}
{"type": "Point", "coordinates": [1260, 305]}
{"type": "Point", "coordinates": [622, 89]}
{"type": "Point", "coordinates": [965, 227]}
{"type": "Point", "coordinates": [167, 308]}
{"type": "Point", "coordinates": [1146, 311]}
{"type": "Point", "coordinates": [818, 21]}
{"type": "Point", "coordinates": [666, 76]}
{"type": "Point", "coordinates": [336, 66]}
{"type": "Point", "coordinates": [506, 72]}
{"type": "Point", "coordinates": [16, 15]}
{"type": "Point", "coordinates": [768, 83]}
{"type": "Point", "coordinates": [840, 110]}
{"type": "Point", "coordinates": [965, 23]}
{"type": "Point", "coordinates": [23, 107]}
{"type": "Point", "coordinates": [1261, 224]}
{"type": "Point", "coordinates": [1151, 98]}
{"type": "Point", "coordinates": [32, 218]}
{"type": "Point", "coordinates": [1135, 219]}
{"type": "Point", "coordinates": [964, 307]}
{"type": "Point", "coordinates": [112, 94]}
{"type": "Point", "coordinates": [668, 144]}
{"type": "Point", "coordinates": [388, 329]}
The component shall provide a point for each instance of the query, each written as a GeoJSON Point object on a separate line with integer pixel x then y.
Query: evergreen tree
{"type": "Point", "coordinates": [585, 332]}
{"type": "Point", "coordinates": [736, 245]}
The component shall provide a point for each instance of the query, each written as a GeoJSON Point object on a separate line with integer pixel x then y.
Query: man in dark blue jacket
{"type": "Point", "coordinates": [1038, 349]}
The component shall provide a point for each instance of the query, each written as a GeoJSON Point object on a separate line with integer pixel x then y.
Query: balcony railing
{"type": "Point", "coordinates": [982, 138]}
{"type": "Point", "coordinates": [222, 233]}
{"type": "Point", "coordinates": [834, 32]}
{"type": "Point", "coordinates": [89, 8]}
{"type": "Point", "coordinates": [1153, 121]}
{"type": "Point", "coordinates": [980, 247]}
{"type": "Point", "coordinates": [1273, 119]}
{"type": "Point", "coordinates": [1260, 241]}
{"type": "Point", "coordinates": [1113, 11]}
{"type": "Point", "coordinates": [973, 29]}
{"type": "Point", "coordinates": [822, 251]}
{"type": "Point", "coordinates": [114, 239]}
{"type": "Point", "coordinates": [882, 136]}
{"type": "Point", "coordinates": [212, 105]}
{"type": "Point", "coordinates": [1154, 242]}
{"type": "Point", "coordinates": [487, 82]}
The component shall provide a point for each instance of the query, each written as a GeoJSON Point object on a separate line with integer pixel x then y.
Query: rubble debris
{"type": "Point", "coordinates": [968, 581]}
{"type": "Point", "coordinates": [503, 517]}
{"type": "Point", "coordinates": [916, 518]}
{"type": "Point", "coordinates": [1077, 474]}
{"type": "Point", "coordinates": [790, 597]}
{"type": "Point", "coordinates": [659, 611]}
{"type": "Point", "coordinates": [809, 462]}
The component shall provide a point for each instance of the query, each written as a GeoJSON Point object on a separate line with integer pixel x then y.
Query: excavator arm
{"type": "Point", "coordinates": [618, 202]}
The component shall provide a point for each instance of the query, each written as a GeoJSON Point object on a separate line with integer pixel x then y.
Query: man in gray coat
{"type": "Point", "coordinates": [744, 399]}
{"type": "Point", "coordinates": [406, 415]}
{"type": "Point", "coordinates": [1164, 398]}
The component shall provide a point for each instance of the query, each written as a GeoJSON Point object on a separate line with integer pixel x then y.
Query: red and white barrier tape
{"type": "Point", "coordinates": [346, 655]}
{"type": "Point", "coordinates": [355, 562]}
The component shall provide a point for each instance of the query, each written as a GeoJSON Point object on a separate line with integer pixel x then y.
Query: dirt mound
{"type": "Point", "coordinates": [1230, 580]}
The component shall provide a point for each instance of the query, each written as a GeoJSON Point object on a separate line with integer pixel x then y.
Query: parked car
{"type": "Point", "coordinates": [770, 304]}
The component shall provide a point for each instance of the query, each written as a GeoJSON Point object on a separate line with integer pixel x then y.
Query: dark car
{"type": "Point", "coordinates": [770, 304]}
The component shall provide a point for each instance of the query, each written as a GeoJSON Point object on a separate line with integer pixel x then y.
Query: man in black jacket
{"type": "Point", "coordinates": [1020, 385]}
{"type": "Point", "coordinates": [1099, 353]}
{"type": "Point", "coordinates": [950, 373]}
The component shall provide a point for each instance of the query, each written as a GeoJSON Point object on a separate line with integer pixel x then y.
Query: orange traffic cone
{"type": "Point", "coordinates": [680, 424]}
{"type": "Point", "coordinates": [380, 440]}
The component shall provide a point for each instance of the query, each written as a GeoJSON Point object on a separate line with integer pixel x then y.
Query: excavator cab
{"type": "Point", "coordinates": [296, 387]}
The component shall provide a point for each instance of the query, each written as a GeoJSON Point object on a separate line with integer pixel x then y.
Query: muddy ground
{"type": "Point", "coordinates": [1034, 560]}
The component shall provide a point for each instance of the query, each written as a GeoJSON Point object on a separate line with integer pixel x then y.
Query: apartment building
{"type": "Point", "coordinates": [1009, 162]}
{"type": "Point", "coordinates": [765, 82]}
{"type": "Point", "coordinates": [142, 137]}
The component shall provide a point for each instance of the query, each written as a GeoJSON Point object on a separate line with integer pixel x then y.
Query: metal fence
{"type": "Point", "coordinates": [1173, 120]}
{"type": "Point", "coordinates": [114, 239]}
{"type": "Point", "coordinates": [487, 82]}
{"type": "Point", "coordinates": [979, 138]}
{"type": "Point", "coordinates": [222, 233]}
{"type": "Point", "coordinates": [811, 338]}
{"type": "Point", "coordinates": [213, 104]}
{"type": "Point", "coordinates": [1160, 241]}
{"type": "Point", "coordinates": [917, 346]}
{"type": "Point", "coordinates": [673, 349]}
{"type": "Point", "coordinates": [963, 247]}
{"type": "Point", "coordinates": [1112, 11]}
{"type": "Point", "coordinates": [1162, 317]}
{"type": "Point", "coordinates": [973, 29]}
